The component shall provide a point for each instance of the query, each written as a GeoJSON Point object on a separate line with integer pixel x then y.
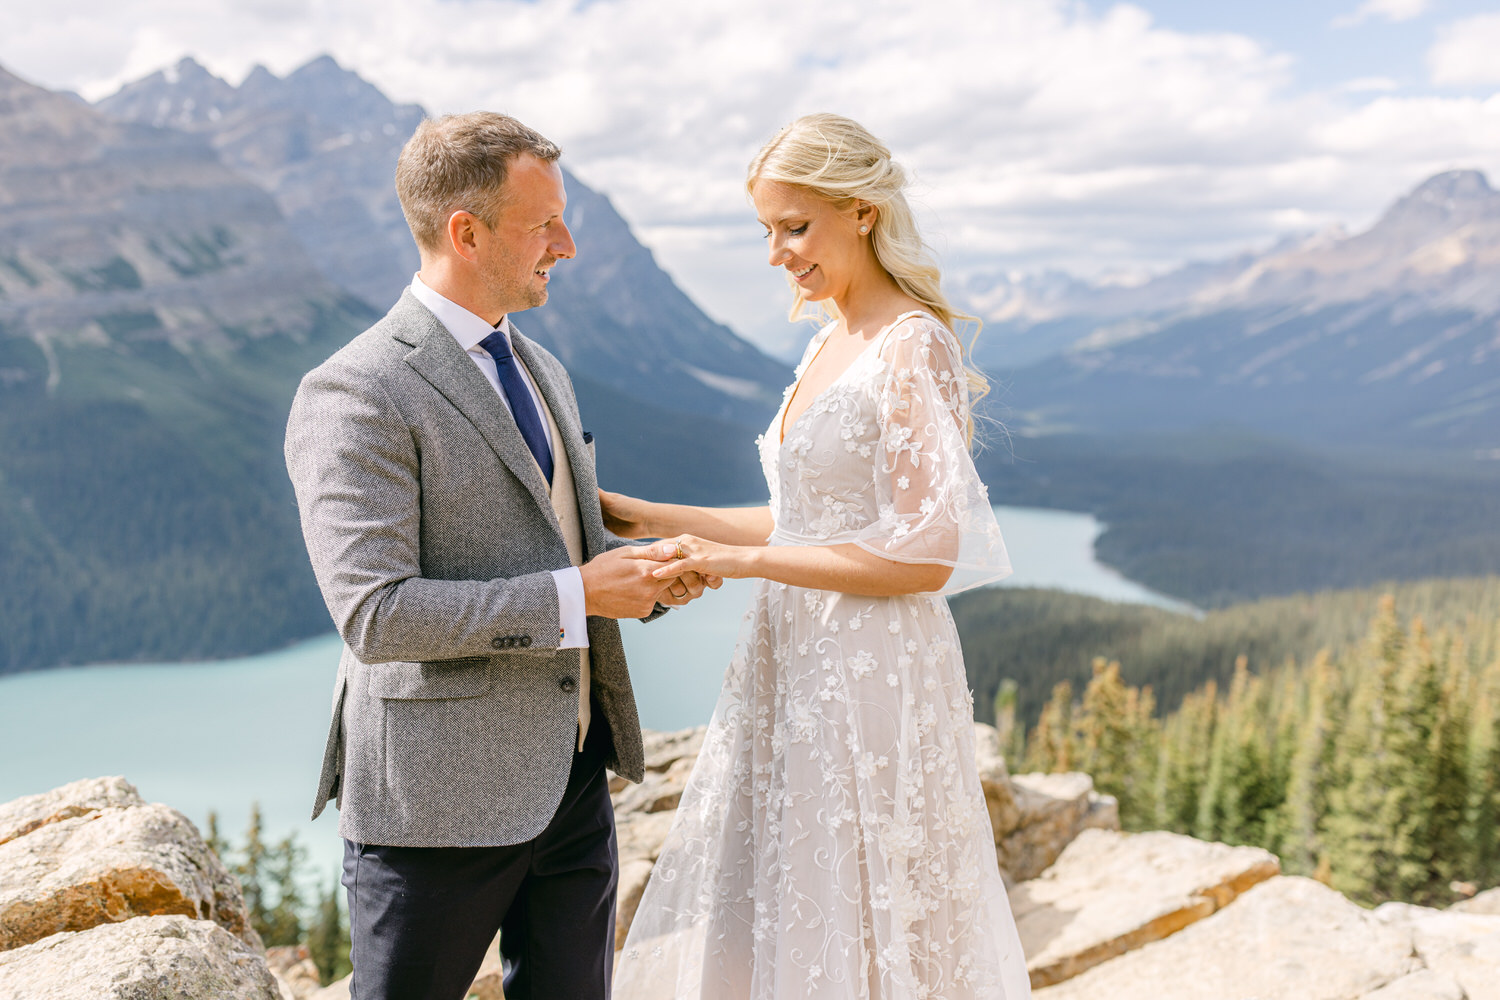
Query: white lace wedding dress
{"type": "Point", "coordinates": [833, 840]}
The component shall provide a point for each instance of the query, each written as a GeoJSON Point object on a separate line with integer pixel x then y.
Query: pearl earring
{"type": "Point", "coordinates": [864, 229]}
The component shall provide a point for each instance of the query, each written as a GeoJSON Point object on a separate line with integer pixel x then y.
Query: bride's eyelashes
{"type": "Point", "coordinates": [795, 231]}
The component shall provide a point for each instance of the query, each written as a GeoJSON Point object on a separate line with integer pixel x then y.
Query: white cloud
{"type": "Point", "coordinates": [1369, 84]}
{"type": "Point", "coordinates": [1387, 10]}
{"type": "Point", "coordinates": [1042, 134]}
{"type": "Point", "coordinates": [1465, 52]}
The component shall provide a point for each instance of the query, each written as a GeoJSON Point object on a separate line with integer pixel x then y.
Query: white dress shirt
{"type": "Point", "coordinates": [469, 329]}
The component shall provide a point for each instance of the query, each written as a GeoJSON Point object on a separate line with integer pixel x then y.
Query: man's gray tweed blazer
{"type": "Point", "coordinates": [433, 538]}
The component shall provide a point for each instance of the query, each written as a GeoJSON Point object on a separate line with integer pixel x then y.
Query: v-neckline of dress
{"type": "Point", "coordinates": [787, 406]}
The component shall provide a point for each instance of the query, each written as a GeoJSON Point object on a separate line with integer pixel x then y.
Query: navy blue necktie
{"type": "Point", "coordinates": [528, 420]}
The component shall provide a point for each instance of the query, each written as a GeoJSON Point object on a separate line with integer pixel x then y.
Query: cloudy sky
{"type": "Point", "coordinates": [1107, 139]}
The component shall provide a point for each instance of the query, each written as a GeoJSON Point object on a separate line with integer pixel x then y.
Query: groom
{"type": "Point", "coordinates": [450, 509]}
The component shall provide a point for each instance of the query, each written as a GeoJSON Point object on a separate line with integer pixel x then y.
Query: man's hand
{"type": "Point", "coordinates": [619, 584]}
{"type": "Point", "coordinates": [687, 587]}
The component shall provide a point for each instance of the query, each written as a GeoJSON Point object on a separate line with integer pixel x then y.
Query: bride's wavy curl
{"type": "Point", "coordinates": [838, 160]}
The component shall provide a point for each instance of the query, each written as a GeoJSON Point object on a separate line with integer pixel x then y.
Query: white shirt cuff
{"type": "Point", "coordinates": [570, 609]}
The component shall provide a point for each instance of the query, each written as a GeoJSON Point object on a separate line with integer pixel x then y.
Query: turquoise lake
{"type": "Point", "coordinates": [218, 735]}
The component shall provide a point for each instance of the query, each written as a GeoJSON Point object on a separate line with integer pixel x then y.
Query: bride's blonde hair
{"type": "Point", "coordinates": [838, 160]}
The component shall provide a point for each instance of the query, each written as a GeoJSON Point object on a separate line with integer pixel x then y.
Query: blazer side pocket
{"type": "Point", "coordinates": [465, 677]}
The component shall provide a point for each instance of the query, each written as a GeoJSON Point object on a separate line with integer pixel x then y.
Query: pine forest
{"type": "Point", "coordinates": [1373, 767]}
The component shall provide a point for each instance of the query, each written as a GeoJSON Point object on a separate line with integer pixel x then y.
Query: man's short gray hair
{"type": "Point", "coordinates": [459, 162]}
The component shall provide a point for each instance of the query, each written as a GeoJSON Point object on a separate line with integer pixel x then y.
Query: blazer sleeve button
{"type": "Point", "coordinates": [525, 640]}
{"type": "Point", "coordinates": [569, 685]}
{"type": "Point", "coordinates": [497, 643]}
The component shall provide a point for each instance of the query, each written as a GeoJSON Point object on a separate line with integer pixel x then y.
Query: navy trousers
{"type": "Point", "coordinates": [421, 918]}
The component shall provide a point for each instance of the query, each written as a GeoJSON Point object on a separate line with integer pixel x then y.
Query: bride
{"type": "Point", "coordinates": [833, 839]}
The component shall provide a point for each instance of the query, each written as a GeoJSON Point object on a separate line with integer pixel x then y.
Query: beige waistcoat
{"type": "Point", "coordinates": [565, 505]}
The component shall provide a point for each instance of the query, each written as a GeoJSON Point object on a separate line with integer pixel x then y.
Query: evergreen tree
{"type": "Point", "coordinates": [1483, 824]}
{"type": "Point", "coordinates": [1250, 789]}
{"type": "Point", "coordinates": [1286, 707]}
{"type": "Point", "coordinates": [1307, 790]}
{"type": "Point", "coordinates": [1141, 706]}
{"type": "Point", "coordinates": [1118, 738]}
{"type": "Point", "coordinates": [1105, 730]}
{"type": "Point", "coordinates": [1186, 742]}
{"type": "Point", "coordinates": [328, 937]}
{"type": "Point", "coordinates": [1450, 856]}
{"type": "Point", "coordinates": [251, 869]}
{"type": "Point", "coordinates": [1012, 736]}
{"type": "Point", "coordinates": [1365, 795]}
{"type": "Point", "coordinates": [1411, 722]}
{"type": "Point", "coordinates": [1052, 746]}
{"type": "Point", "coordinates": [282, 922]}
{"type": "Point", "coordinates": [1218, 810]}
{"type": "Point", "coordinates": [215, 841]}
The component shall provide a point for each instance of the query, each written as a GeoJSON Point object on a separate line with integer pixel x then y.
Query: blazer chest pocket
{"type": "Point", "coordinates": [460, 678]}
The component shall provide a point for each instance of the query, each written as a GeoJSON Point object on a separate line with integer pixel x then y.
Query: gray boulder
{"type": "Point", "coordinates": [109, 865]}
{"type": "Point", "coordinates": [1286, 939]}
{"type": "Point", "coordinates": [79, 798]}
{"type": "Point", "coordinates": [148, 958]}
{"type": "Point", "coordinates": [1110, 893]}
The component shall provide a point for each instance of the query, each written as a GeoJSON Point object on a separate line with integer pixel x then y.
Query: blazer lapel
{"type": "Point", "coordinates": [437, 357]}
{"type": "Point", "coordinates": [560, 401]}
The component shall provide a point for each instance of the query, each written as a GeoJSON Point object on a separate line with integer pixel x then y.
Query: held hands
{"type": "Point", "coordinates": [620, 583]}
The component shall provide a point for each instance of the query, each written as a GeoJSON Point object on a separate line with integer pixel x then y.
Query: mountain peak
{"type": "Point", "coordinates": [1454, 184]}
{"type": "Point", "coordinates": [323, 65]}
{"type": "Point", "coordinates": [337, 95]}
{"type": "Point", "coordinates": [259, 76]}
{"type": "Point", "coordinates": [184, 96]}
{"type": "Point", "coordinates": [188, 70]}
{"type": "Point", "coordinates": [1440, 202]}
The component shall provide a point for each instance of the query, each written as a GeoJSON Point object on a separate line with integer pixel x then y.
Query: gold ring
{"type": "Point", "coordinates": [680, 553]}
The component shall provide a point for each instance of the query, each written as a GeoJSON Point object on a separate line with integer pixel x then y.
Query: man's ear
{"type": "Point", "coordinates": [463, 234]}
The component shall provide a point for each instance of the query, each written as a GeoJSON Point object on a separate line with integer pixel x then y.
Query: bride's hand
{"type": "Point", "coordinates": [711, 560]}
{"type": "Point", "coordinates": [623, 515]}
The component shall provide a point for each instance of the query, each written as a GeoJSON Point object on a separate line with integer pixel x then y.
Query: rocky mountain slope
{"type": "Point", "coordinates": [1438, 243]}
{"type": "Point", "coordinates": [324, 142]}
{"type": "Point", "coordinates": [1390, 336]}
{"type": "Point", "coordinates": [155, 316]}
{"type": "Point", "coordinates": [144, 225]}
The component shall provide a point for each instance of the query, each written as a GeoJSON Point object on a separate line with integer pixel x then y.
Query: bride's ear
{"type": "Point", "coordinates": [864, 217]}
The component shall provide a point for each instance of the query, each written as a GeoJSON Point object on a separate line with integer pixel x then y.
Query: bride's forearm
{"type": "Point", "coordinates": [749, 526]}
{"type": "Point", "coordinates": [847, 569]}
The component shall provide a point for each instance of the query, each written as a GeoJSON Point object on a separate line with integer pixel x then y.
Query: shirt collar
{"type": "Point", "coordinates": [467, 328]}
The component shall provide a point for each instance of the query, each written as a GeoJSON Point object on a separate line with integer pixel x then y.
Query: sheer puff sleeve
{"type": "Point", "coordinates": [932, 506]}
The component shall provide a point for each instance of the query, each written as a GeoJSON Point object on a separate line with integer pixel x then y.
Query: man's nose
{"type": "Point", "coordinates": [563, 245]}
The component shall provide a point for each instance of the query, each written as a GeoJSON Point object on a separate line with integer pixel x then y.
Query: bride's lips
{"type": "Point", "coordinates": [802, 275]}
